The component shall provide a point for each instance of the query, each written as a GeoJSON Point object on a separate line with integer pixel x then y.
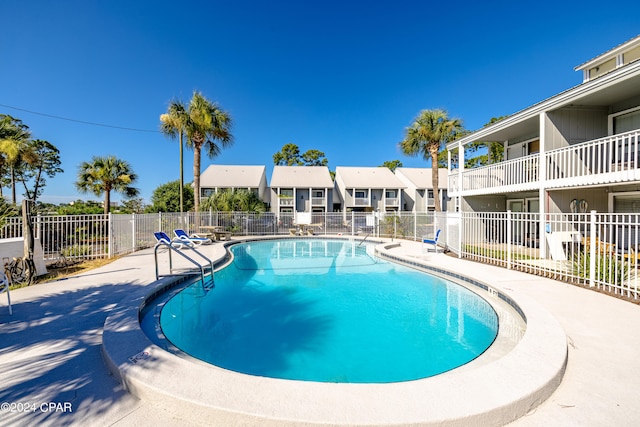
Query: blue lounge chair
{"type": "Point", "coordinates": [163, 238]}
{"type": "Point", "coordinates": [434, 241]}
{"type": "Point", "coordinates": [193, 239]}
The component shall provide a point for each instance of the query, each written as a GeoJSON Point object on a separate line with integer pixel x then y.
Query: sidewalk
{"type": "Point", "coordinates": [50, 349]}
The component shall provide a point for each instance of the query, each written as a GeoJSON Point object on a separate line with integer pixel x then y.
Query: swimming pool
{"type": "Point", "coordinates": [328, 311]}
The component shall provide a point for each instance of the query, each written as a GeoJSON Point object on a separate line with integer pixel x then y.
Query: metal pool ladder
{"type": "Point", "coordinates": [208, 267]}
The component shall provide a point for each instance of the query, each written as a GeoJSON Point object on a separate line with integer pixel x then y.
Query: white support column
{"type": "Point", "coordinates": [310, 199]}
{"type": "Point", "coordinates": [326, 200]}
{"type": "Point", "coordinates": [542, 192]}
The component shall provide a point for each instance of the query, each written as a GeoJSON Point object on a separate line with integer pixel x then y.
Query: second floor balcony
{"type": "Point", "coordinates": [318, 201]}
{"type": "Point", "coordinates": [612, 159]}
{"type": "Point", "coordinates": [361, 201]}
{"type": "Point", "coordinates": [392, 201]}
{"type": "Point", "coordinates": [286, 200]}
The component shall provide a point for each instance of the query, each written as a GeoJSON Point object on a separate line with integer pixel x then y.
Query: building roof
{"type": "Point", "coordinates": [611, 53]}
{"type": "Point", "coordinates": [301, 177]}
{"type": "Point", "coordinates": [368, 177]}
{"type": "Point", "coordinates": [421, 177]}
{"type": "Point", "coordinates": [232, 176]}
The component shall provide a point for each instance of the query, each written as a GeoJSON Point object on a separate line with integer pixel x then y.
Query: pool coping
{"type": "Point", "coordinates": [493, 393]}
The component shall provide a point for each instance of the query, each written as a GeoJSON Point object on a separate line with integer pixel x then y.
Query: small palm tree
{"type": "Point", "coordinates": [14, 147]}
{"type": "Point", "coordinates": [207, 124]}
{"type": "Point", "coordinates": [426, 135]}
{"type": "Point", "coordinates": [174, 124]}
{"type": "Point", "coordinates": [106, 174]}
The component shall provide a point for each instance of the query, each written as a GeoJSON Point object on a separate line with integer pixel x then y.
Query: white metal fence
{"type": "Point", "coordinates": [591, 249]}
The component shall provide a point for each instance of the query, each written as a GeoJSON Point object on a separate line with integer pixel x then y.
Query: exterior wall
{"type": "Point", "coordinates": [596, 198]}
{"type": "Point", "coordinates": [497, 203]}
{"type": "Point", "coordinates": [626, 104]}
{"type": "Point", "coordinates": [263, 190]}
{"type": "Point", "coordinates": [411, 199]}
{"type": "Point", "coordinates": [302, 200]}
{"type": "Point", "coordinates": [574, 125]}
{"type": "Point", "coordinates": [377, 200]}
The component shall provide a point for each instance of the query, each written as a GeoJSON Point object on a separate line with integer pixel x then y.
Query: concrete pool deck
{"type": "Point", "coordinates": [50, 348]}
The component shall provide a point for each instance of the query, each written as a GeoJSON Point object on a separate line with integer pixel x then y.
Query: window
{"type": "Point", "coordinates": [360, 194]}
{"type": "Point", "coordinates": [286, 192]}
{"type": "Point", "coordinates": [390, 194]}
{"type": "Point", "coordinates": [318, 193]}
{"type": "Point", "coordinates": [626, 122]}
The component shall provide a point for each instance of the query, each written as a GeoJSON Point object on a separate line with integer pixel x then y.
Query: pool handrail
{"type": "Point", "coordinates": [172, 247]}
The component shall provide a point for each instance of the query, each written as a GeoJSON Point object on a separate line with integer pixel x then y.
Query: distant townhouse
{"type": "Point", "coordinates": [301, 189]}
{"type": "Point", "coordinates": [368, 189]}
{"type": "Point", "coordinates": [231, 177]}
{"type": "Point", "coordinates": [418, 194]}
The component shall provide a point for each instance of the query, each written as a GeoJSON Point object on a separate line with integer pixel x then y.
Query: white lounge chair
{"type": "Point", "coordinates": [193, 239]}
{"type": "Point", "coordinates": [163, 238]}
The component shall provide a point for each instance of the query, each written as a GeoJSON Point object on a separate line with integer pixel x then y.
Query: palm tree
{"type": "Point", "coordinates": [14, 147]}
{"type": "Point", "coordinates": [105, 174]}
{"type": "Point", "coordinates": [428, 132]}
{"type": "Point", "coordinates": [207, 123]}
{"type": "Point", "coordinates": [174, 124]}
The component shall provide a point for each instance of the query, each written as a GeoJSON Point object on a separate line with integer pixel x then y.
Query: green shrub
{"type": "Point", "coordinates": [609, 269]}
{"type": "Point", "coordinates": [77, 251]}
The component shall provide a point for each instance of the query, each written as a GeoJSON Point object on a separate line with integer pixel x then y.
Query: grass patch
{"type": "Point", "coordinates": [495, 253]}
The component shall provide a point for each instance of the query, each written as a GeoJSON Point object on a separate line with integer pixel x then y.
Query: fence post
{"type": "Point", "coordinates": [38, 227]}
{"type": "Point", "coordinates": [508, 240]}
{"type": "Point", "coordinates": [592, 249]}
{"type": "Point", "coordinates": [415, 226]}
{"type": "Point", "coordinates": [159, 221]}
{"type": "Point", "coordinates": [109, 235]}
{"type": "Point", "coordinates": [460, 232]}
{"type": "Point", "coordinates": [133, 232]}
{"type": "Point", "coordinates": [353, 225]}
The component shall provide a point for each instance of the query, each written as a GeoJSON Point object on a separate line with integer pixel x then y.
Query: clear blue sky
{"type": "Point", "coordinates": [343, 77]}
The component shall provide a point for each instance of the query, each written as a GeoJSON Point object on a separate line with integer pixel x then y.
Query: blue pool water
{"type": "Point", "coordinates": [328, 310]}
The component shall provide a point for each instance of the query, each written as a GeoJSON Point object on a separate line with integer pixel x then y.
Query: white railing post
{"type": "Point", "coordinates": [592, 249]}
{"type": "Point", "coordinates": [133, 232]}
{"type": "Point", "coordinates": [508, 240]}
{"type": "Point", "coordinates": [110, 235]}
{"type": "Point", "coordinates": [415, 226]}
{"type": "Point", "coordinates": [353, 224]}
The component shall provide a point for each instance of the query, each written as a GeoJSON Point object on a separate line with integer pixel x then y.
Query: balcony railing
{"type": "Point", "coordinates": [391, 201]}
{"type": "Point", "coordinates": [286, 201]}
{"type": "Point", "coordinates": [521, 172]}
{"type": "Point", "coordinates": [361, 201]}
{"type": "Point", "coordinates": [318, 201]}
{"type": "Point", "coordinates": [611, 159]}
